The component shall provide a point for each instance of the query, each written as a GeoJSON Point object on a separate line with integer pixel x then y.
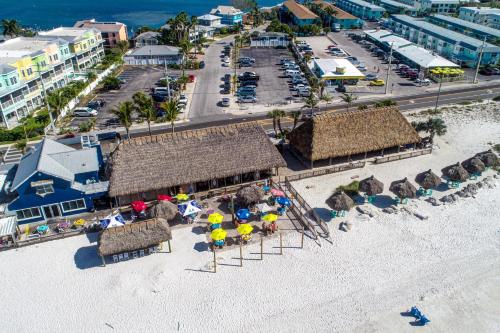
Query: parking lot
{"type": "Point", "coordinates": [273, 86]}
{"type": "Point", "coordinates": [135, 79]}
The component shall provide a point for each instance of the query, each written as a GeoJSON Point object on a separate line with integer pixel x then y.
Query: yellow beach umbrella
{"type": "Point", "coordinates": [79, 222]}
{"type": "Point", "coordinates": [270, 217]}
{"type": "Point", "coordinates": [218, 234]}
{"type": "Point", "coordinates": [215, 218]}
{"type": "Point", "coordinates": [244, 229]}
{"type": "Point", "coordinates": [182, 197]}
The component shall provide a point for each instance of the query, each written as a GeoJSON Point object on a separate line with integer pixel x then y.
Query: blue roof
{"type": "Point", "coordinates": [397, 4]}
{"type": "Point", "coordinates": [478, 28]}
{"type": "Point", "coordinates": [55, 159]}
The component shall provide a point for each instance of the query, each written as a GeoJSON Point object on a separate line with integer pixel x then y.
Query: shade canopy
{"type": "Point", "coordinates": [403, 189]}
{"type": "Point", "coordinates": [277, 193]}
{"type": "Point", "coordinates": [112, 220]}
{"type": "Point", "coordinates": [164, 209]}
{"type": "Point", "coordinates": [243, 214]}
{"type": "Point", "coordinates": [245, 229]}
{"type": "Point", "coordinates": [489, 158]}
{"type": "Point", "coordinates": [456, 172]}
{"type": "Point", "coordinates": [215, 218]}
{"type": "Point", "coordinates": [138, 206]}
{"type": "Point", "coordinates": [249, 195]}
{"type": "Point", "coordinates": [182, 197]}
{"type": "Point", "coordinates": [189, 208]}
{"type": "Point", "coordinates": [474, 165]}
{"type": "Point", "coordinates": [283, 201]}
{"type": "Point", "coordinates": [371, 186]}
{"type": "Point", "coordinates": [164, 197]}
{"type": "Point", "coordinates": [428, 179]}
{"type": "Point", "coordinates": [340, 201]}
{"type": "Point", "coordinates": [270, 217]}
{"type": "Point", "coordinates": [218, 234]}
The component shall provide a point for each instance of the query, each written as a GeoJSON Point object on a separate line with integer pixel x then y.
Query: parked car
{"type": "Point", "coordinates": [96, 104]}
{"type": "Point", "coordinates": [247, 99]}
{"type": "Point", "coordinates": [84, 112]}
{"type": "Point", "coordinates": [371, 77]}
{"type": "Point", "coordinates": [246, 93]}
{"type": "Point", "coordinates": [377, 83]}
{"type": "Point", "coordinates": [341, 88]}
{"type": "Point", "coordinates": [225, 102]}
{"type": "Point", "coordinates": [423, 82]}
{"type": "Point", "coordinates": [247, 59]}
{"type": "Point", "coordinates": [362, 67]}
{"type": "Point", "coordinates": [488, 71]}
{"type": "Point", "coordinates": [158, 98]}
{"type": "Point", "coordinates": [202, 64]}
{"type": "Point", "coordinates": [248, 75]}
{"type": "Point", "coordinates": [183, 99]}
{"type": "Point", "coordinates": [353, 60]}
{"type": "Point", "coordinates": [246, 64]}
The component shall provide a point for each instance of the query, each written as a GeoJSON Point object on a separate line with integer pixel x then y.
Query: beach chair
{"type": "Point", "coordinates": [428, 192]}
{"type": "Point", "coordinates": [423, 320]}
{"type": "Point", "coordinates": [120, 257]}
{"type": "Point", "coordinates": [397, 201]}
{"type": "Point", "coordinates": [421, 192]}
{"type": "Point", "coordinates": [115, 258]}
{"type": "Point", "coordinates": [281, 211]}
{"type": "Point", "coordinates": [341, 213]}
{"type": "Point", "coordinates": [125, 256]}
{"type": "Point", "coordinates": [415, 312]}
{"type": "Point", "coordinates": [141, 253]}
{"type": "Point", "coordinates": [370, 198]}
{"type": "Point", "coordinates": [134, 255]}
{"type": "Point", "coordinates": [333, 214]}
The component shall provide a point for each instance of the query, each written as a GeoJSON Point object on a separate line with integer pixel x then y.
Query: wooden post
{"type": "Point", "coordinates": [302, 238]}
{"type": "Point", "coordinates": [169, 246]}
{"type": "Point", "coordinates": [215, 261]}
{"type": "Point", "coordinates": [232, 208]}
{"type": "Point", "coordinates": [281, 243]}
{"type": "Point", "coordinates": [241, 254]}
{"type": "Point", "coordinates": [103, 261]}
{"type": "Point", "coordinates": [261, 248]}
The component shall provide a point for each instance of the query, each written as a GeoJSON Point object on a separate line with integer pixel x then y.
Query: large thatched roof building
{"type": "Point", "coordinates": [339, 134]}
{"type": "Point", "coordinates": [132, 237]}
{"type": "Point", "coordinates": [195, 160]}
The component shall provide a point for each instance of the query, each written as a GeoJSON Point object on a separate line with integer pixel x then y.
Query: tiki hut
{"type": "Point", "coordinates": [489, 158]}
{"type": "Point", "coordinates": [132, 237]}
{"type": "Point", "coordinates": [194, 161]}
{"type": "Point", "coordinates": [340, 134]}
{"type": "Point", "coordinates": [428, 179]}
{"type": "Point", "coordinates": [249, 195]}
{"type": "Point", "coordinates": [474, 165]}
{"type": "Point", "coordinates": [340, 201]}
{"type": "Point", "coordinates": [456, 172]}
{"type": "Point", "coordinates": [371, 186]}
{"type": "Point", "coordinates": [403, 189]}
{"type": "Point", "coordinates": [165, 210]}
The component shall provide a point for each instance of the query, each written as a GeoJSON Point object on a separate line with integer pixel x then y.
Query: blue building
{"type": "Point", "coordinates": [396, 7]}
{"type": "Point", "coordinates": [297, 14]}
{"type": "Point", "coordinates": [339, 16]}
{"type": "Point", "coordinates": [228, 14]}
{"type": "Point", "coordinates": [362, 9]}
{"type": "Point", "coordinates": [54, 180]}
{"type": "Point", "coordinates": [468, 28]}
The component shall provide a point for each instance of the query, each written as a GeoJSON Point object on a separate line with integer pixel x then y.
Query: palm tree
{"type": "Point", "coordinates": [124, 112]}
{"type": "Point", "coordinates": [275, 115]}
{"type": "Point", "coordinates": [145, 108]}
{"type": "Point", "coordinates": [91, 76]}
{"type": "Point", "coordinates": [362, 107]}
{"type": "Point", "coordinates": [295, 116]}
{"type": "Point", "coordinates": [11, 28]}
{"type": "Point", "coordinates": [433, 126]}
{"type": "Point", "coordinates": [122, 46]}
{"type": "Point", "coordinates": [311, 102]}
{"type": "Point", "coordinates": [57, 101]}
{"type": "Point", "coordinates": [185, 47]}
{"type": "Point", "coordinates": [321, 87]}
{"type": "Point", "coordinates": [349, 99]}
{"type": "Point", "coordinates": [327, 98]}
{"type": "Point", "coordinates": [171, 109]}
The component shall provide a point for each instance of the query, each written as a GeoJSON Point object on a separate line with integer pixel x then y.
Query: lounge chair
{"type": "Point", "coordinates": [415, 312]}
{"type": "Point", "coordinates": [120, 257]}
{"type": "Point", "coordinates": [423, 320]}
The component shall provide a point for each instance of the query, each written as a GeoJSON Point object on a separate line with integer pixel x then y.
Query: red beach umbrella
{"type": "Point", "coordinates": [164, 197]}
{"type": "Point", "coordinates": [138, 206]}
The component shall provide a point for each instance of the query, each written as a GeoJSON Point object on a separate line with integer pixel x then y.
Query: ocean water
{"type": "Point", "coordinates": [46, 14]}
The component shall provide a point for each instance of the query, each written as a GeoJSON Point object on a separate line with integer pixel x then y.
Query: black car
{"type": "Point", "coordinates": [341, 88]}
{"type": "Point", "coordinates": [248, 83]}
{"type": "Point", "coordinates": [96, 104]}
{"type": "Point", "coordinates": [159, 98]}
{"type": "Point", "coordinates": [202, 64]}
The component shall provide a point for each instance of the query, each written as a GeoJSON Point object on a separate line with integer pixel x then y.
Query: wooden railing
{"type": "Point", "coordinates": [325, 171]}
{"type": "Point", "coordinates": [402, 156]}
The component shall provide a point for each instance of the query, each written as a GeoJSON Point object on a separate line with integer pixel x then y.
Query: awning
{"type": "Point", "coordinates": [8, 226]}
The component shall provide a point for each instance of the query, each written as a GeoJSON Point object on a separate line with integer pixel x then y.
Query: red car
{"type": "Point", "coordinates": [191, 78]}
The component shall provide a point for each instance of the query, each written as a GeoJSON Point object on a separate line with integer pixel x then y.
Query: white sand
{"type": "Point", "coordinates": [448, 265]}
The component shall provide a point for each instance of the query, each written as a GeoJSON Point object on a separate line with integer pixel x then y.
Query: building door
{"type": "Point", "coordinates": [51, 211]}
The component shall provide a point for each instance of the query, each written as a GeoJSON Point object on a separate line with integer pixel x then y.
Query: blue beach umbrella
{"type": "Point", "coordinates": [243, 214]}
{"type": "Point", "coordinates": [283, 201]}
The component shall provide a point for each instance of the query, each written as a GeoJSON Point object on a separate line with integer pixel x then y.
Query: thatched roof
{"type": "Point", "coordinates": [249, 195]}
{"type": "Point", "coordinates": [371, 186]}
{"type": "Point", "coordinates": [337, 134]}
{"type": "Point", "coordinates": [428, 179]}
{"type": "Point", "coordinates": [340, 201]}
{"type": "Point", "coordinates": [147, 164]}
{"type": "Point", "coordinates": [489, 158]}
{"type": "Point", "coordinates": [474, 165]}
{"type": "Point", "coordinates": [165, 210]}
{"type": "Point", "coordinates": [135, 236]}
{"type": "Point", "coordinates": [456, 172]}
{"type": "Point", "coordinates": [403, 188]}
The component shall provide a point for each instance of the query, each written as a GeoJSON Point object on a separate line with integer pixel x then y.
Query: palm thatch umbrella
{"type": "Point", "coordinates": [340, 201]}
{"type": "Point", "coordinates": [249, 195]}
{"type": "Point", "coordinates": [371, 186]}
{"type": "Point", "coordinates": [489, 158]}
{"type": "Point", "coordinates": [403, 188]}
{"type": "Point", "coordinates": [428, 179]}
{"type": "Point", "coordinates": [165, 210]}
{"type": "Point", "coordinates": [474, 165]}
{"type": "Point", "coordinates": [456, 172]}
{"type": "Point", "coordinates": [132, 237]}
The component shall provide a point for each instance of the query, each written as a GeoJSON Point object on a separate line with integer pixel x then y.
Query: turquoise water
{"type": "Point", "coordinates": [45, 14]}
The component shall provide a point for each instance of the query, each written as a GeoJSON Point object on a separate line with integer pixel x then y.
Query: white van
{"type": "Point", "coordinates": [291, 72]}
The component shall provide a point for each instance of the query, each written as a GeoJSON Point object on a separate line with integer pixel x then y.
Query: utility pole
{"type": "Point", "coordinates": [439, 92]}
{"type": "Point", "coordinates": [389, 69]}
{"type": "Point", "coordinates": [479, 60]}
{"type": "Point", "coordinates": [168, 79]}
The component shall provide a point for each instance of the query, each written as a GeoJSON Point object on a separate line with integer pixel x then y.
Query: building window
{"type": "Point", "coordinates": [44, 189]}
{"type": "Point", "coordinates": [69, 206]}
{"type": "Point", "coordinates": [30, 71]}
{"type": "Point", "coordinates": [28, 213]}
{"type": "Point", "coordinates": [13, 80]}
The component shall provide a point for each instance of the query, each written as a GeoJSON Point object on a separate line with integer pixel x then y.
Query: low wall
{"type": "Point", "coordinates": [402, 156]}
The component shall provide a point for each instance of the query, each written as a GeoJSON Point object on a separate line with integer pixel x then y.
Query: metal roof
{"type": "Point", "coordinates": [8, 226]}
{"type": "Point", "coordinates": [466, 24]}
{"type": "Point", "coordinates": [397, 4]}
{"type": "Point", "coordinates": [365, 4]}
{"type": "Point", "coordinates": [155, 50]}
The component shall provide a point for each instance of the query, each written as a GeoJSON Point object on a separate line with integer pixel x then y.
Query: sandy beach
{"type": "Point", "coordinates": [448, 265]}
